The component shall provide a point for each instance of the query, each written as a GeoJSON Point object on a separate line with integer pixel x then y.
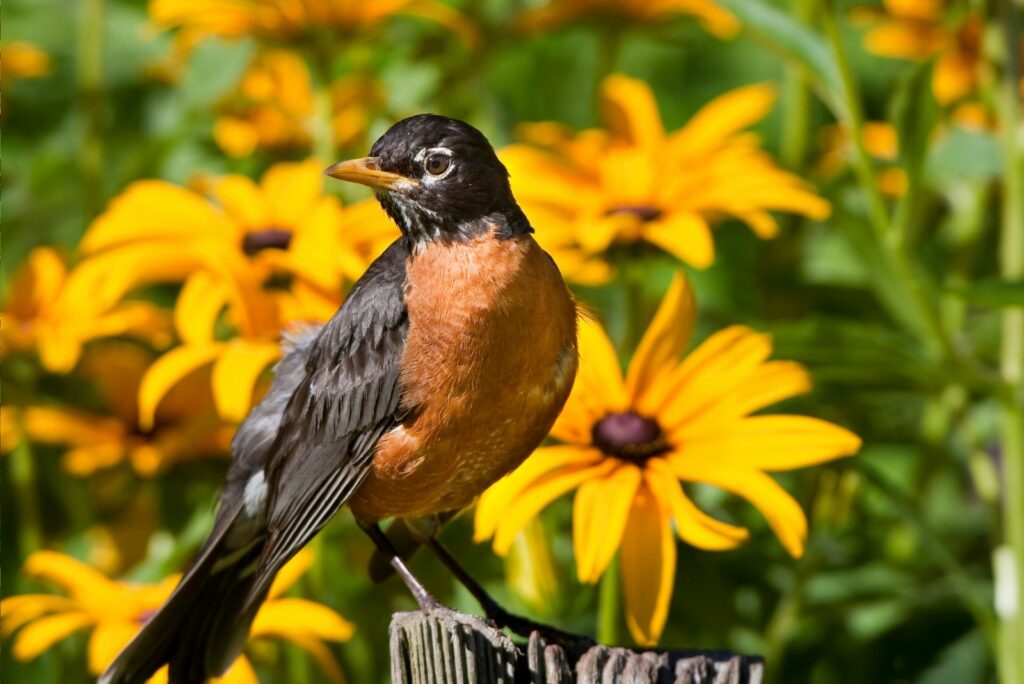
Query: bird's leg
{"type": "Point", "coordinates": [423, 597]}
{"type": "Point", "coordinates": [520, 625]}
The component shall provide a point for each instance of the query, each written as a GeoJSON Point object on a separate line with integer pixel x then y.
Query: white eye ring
{"type": "Point", "coordinates": [424, 155]}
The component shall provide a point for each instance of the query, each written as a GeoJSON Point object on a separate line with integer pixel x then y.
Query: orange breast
{"type": "Point", "coordinates": [489, 360]}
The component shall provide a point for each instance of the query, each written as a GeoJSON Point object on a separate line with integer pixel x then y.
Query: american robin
{"type": "Point", "coordinates": [444, 368]}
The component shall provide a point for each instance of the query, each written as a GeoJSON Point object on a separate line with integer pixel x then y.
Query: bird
{"type": "Point", "coordinates": [444, 368]}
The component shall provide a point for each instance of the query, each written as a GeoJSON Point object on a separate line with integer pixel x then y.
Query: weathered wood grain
{"type": "Point", "coordinates": [447, 647]}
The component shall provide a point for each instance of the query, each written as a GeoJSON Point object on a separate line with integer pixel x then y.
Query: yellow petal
{"type": "Point", "coordinates": [772, 443]}
{"type": "Point", "coordinates": [955, 76]}
{"type": "Point", "coordinates": [684, 235]}
{"type": "Point", "coordinates": [292, 189]}
{"type": "Point", "coordinates": [720, 365]}
{"type": "Point", "coordinates": [168, 371]}
{"type": "Point", "coordinates": [771, 382]}
{"type": "Point", "coordinates": [199, 304]}
{"type": "Point", "coordinates": [599, 388]}
{"type": "Point", "coordinates": [107, 640]}
{"type": "Point", "coordinates": [235, 373]}
{"type": "Point", "coordinates": [53, 425]}
{"type": "Point", "coordinates": [16, 611]}
{"type": "Point", "coordinates": [289, 616]}
{"type": "Point", "coordinates": [631, 112]}
{"type": "Point", "coordinates": [240, 672]}
{"type": "Point", "coordinates": [44, 632]}
{"type": "Point", "coordinates": [291, 572]}
{"type": "Point", "coordinates": [693, 525]}
{"type": "Point", "coordinates": [780, 509]}
{"type": "Point", "coordinates": [720, 118]}
{"type": "Point", "coordinates": [493, 504]}
{"type": "Point", "coordinates": [152, 210]}
{"type": "Point", "coordinates": [665, 339]}
{"type": "Point", "coordinates": [538, 495]}
{"type": "Point", "coordinates": [322, 655]}
{"type": "Point", "coordinates": [648, 562]}
{"type": "Point", "coordinates": [69, 573]}
{"type": "Point", "coordinates": [599, 517]}
{"type": "Point", "coordinates": [243, 201]}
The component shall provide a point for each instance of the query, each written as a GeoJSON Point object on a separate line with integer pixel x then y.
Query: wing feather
{"type": "Point", "coordinates": [350, 396]}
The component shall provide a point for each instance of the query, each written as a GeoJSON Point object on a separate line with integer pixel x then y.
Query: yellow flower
{"type": "Point", "coordinates": [23, 60]}
{"type": "Point", "coordinates": [186, 427]}
{"type": "Point", "coordinates": [265, 256]}
{"type": "Point", "coordinates": [632, 182]}
{"type": "Point", "coordinates": [116, 610]}
{"type": "Point", "coordinates": [57, 313]}
{"type": "Point", "coordinates": [558, 12]}
{"type": "Point", "coordinates": [295, 19]}
{"type": "Point", "coordinates": [626, 443]}
{"type": "Point", "coordinates": [920, 30]}
{"type": "Point", "coordinates": [273, 107]}
{"type": "Point", "coordinates": [880, 141]}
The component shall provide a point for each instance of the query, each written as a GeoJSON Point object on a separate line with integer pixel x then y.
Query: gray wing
{"type": "Point", "coordinates": [348, 398]}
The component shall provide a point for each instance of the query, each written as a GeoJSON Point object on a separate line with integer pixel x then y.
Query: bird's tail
{"type": "Point", "coordinates": [201, 628]}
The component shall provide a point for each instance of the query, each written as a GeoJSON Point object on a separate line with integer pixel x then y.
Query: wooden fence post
{"type": "Point", "coordinates": [446, 647]}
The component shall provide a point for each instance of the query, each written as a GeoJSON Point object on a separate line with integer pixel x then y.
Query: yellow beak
{"type": "Point", "coordinates": [366, 171]}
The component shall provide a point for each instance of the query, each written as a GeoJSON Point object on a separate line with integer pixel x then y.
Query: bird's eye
{"type": "Point", "coordinates": [437, 163]}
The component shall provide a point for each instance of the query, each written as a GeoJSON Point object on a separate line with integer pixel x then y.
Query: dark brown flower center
{"type": "Point", "coordinates": [268, 238]}
{"type": "Point", "coordinates": [629, 436]}
{"type": "Point", "coordinates": [643, 212]}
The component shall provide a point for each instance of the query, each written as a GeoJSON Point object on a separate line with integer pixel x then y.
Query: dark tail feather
{"type": "Point", "coordinates": [203, 625]}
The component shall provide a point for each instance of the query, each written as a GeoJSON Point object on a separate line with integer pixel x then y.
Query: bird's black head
{"type": "Point", "coordinates": [437, 178]}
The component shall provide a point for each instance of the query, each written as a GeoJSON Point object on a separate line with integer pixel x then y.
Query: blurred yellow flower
{"type": "Point", "coordinates": [56, 312]}
{"type": "Point", "coordinates": [116, 610]}
{"type": "Point", "coordinates": [273, 107]}
{"type": "Point", "coordinates": [922, 29]}
{"type": "Point", "coordinates": [294, 19]}
{"type": "Point", "coordinates": [267, 256]}
{"type": "Point", "coordinates": [632, 182]}
{"type": "Point", "coordinates": [881, 142]}
{"type": "Point", "coordinates": [186, 426]}
{"type": "Point", "coordinates": [21, 60]}
{"type": "Point", "coordinates": [625, 444]}
{"type": "Point", "coordinates": [713, 18]}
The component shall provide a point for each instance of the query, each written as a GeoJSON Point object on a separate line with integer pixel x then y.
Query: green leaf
{"type": "Point", "coordinates": [995, 293]}
{"type": "Point", "coordinates": [213, 69]}
{"type": "Point", "coordinates": [964, 156]}
{"type": "Point", "coordinates": [793, 41]}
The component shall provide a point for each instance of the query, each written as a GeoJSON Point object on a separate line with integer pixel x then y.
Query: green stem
{"type": "Point", "coordinates": [909, 303]}
{"type": "Point", "coordinates": [23, 481]}
{"type": "Point", "coordinates": [609, 604]}
{"type": "Point", "coordinates": [90, 84]}
{"type": "Point", "coordinates": [796, 101]}
{"type": "Point", "coordinates": [608, 51]}
{"type": "Point", "coordinates": [1010, 568]}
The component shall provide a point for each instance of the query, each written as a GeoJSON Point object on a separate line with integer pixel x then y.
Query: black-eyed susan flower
{"type": "Point", "coordinates": [259, 257]}
{"type": "Point", "coordinates": [924, 29]}
{"type": "Point", "coordinates": [55, 313]}
{"type": "Point", "coordinates": [633, 182]}
{"type": "Point", "coordinates": [185, 427]}
{"type": "Point", "coordinates": [711, 16]}
{"type": "Point", "coordinates": [627, 444]}
{"type": "Point", "coordinates": [295, 19]}
{"type": "Point", "coordinates": [115, 610]}
{"type": "Point", "coordinates": [273, 107]}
